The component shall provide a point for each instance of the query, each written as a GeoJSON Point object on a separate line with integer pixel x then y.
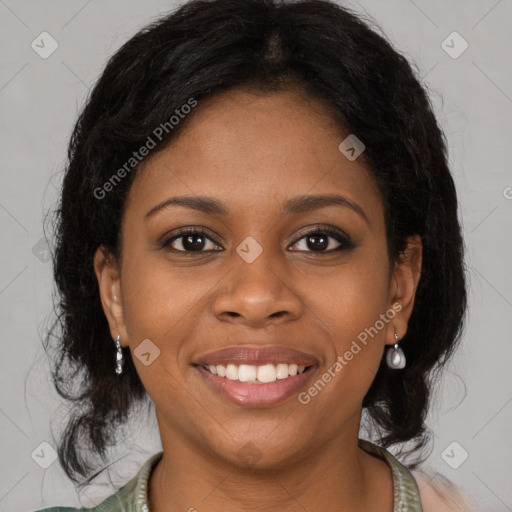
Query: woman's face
{"type": "Point", "coordinates": [255, 284]}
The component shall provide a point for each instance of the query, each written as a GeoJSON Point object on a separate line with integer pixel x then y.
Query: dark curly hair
{"type": "Point", "coordinates": [201, 49]}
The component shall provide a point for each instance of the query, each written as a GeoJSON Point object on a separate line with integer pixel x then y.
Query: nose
{"type": "Point", "coordinates": [257, 294]}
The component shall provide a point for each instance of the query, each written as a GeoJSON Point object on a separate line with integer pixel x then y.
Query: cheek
{"type": "Point", "coordinates": [156, 297]}
{"type": "Point", "coordinates": [353, 307]}
{"type": "Point", "coordinates": [353, 297]}
{"type": "Point", "coordinates": [158, 308]}
{"type": "Point", "coordinates": [164, 305]}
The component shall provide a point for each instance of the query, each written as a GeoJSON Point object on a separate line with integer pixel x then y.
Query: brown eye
{"type": "Point", "coordinates": [319, 240]}
{"type": "Point", "coordinates": [191, 240]}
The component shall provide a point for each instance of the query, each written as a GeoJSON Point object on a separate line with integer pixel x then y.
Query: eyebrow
{"type": "Point", "coordinates": [294, 206]}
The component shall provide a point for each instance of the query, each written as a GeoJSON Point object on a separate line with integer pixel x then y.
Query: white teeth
{"type": "Point", "coordinates": [282, 371]}
{"type": "Point", "coordinates": [267, 373]}
{"type": "Point", "coordinates": [246, 372]}
{"type": "Point", "coordinates": [256, 374]}
{"type": "Point", "coordinates": [232, 372]}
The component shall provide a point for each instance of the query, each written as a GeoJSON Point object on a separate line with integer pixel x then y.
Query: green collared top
{"type": "Point", "coordinates": [133, 496]}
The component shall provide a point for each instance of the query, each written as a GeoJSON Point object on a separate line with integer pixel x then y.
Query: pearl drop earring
{"type": "Point", "coordinates": [395, 357]}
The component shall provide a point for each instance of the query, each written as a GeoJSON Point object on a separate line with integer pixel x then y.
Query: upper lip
{"type": "Point", "coordinates": [256, 356]}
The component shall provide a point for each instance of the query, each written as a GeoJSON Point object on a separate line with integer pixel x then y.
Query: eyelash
{"type": "Point", "coordinates": [344, 240]}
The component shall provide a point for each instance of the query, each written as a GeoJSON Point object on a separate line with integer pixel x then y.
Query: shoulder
{"type": "Point", "coordinates": [126, 498]}
{"type": "Point", "coordinates": [438, 494]}
{"type": "Point", "coordinates": [61, 509]}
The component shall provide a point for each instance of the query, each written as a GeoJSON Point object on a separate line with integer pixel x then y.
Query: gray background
{"type": "Point", "coordinates": [39, 101]}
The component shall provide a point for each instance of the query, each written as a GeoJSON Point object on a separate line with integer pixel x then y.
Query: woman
{"type": "Point", "coordinates": [258, 224]}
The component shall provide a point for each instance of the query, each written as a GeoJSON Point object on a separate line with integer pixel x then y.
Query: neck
{"type": "Point", "coordinates": [336, 476]}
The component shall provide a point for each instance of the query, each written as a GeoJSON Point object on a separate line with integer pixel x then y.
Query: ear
{"type": "Point", "coordinates": [403, 285]}
{"type": "Point", "coordinates": [108, 276]}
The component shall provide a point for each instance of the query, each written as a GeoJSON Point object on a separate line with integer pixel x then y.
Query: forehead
{"type": "Point", "coordinates": [251, 150]}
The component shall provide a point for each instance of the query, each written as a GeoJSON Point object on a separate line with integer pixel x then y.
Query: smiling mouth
{"type": "Point", "coordinates": [265, 385]}
{"type": "Point", "coordinates": [256, 376]}
{"type": "Point", "coordinates": [252, 374]}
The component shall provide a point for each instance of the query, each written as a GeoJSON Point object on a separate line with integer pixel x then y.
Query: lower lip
{"type": "Point", "coordinates": [256, 395]}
